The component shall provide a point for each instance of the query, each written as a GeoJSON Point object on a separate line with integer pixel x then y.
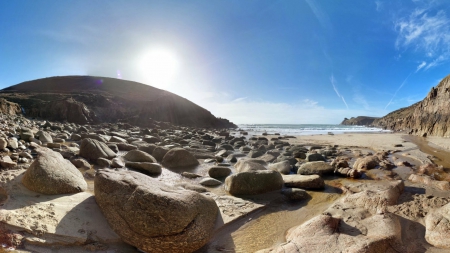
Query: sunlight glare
{"type": "Point", "coordinates": [159, 66]}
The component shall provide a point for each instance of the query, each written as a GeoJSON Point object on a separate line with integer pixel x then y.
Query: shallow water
{"type": "Point", "coordinates": [440, 156]}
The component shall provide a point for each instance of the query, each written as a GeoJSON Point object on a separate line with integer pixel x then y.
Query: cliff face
{"type": "Point", "coordinates": [9, 108]}
{"type": "Point", "coordinates": [90, 99]}
{"type": "Point", "coordinates": [431, 116]}
{"type": "Point", "coordinates": [359, 121]}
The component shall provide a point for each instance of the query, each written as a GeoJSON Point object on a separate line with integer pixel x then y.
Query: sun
{"type": "Point", "coordinates": [159, 66]}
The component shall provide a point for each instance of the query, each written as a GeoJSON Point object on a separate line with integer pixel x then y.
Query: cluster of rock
{"type": "Point", "coordinates": [359, 121]}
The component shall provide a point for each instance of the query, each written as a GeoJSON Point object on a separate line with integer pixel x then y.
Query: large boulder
{"type": "Point", "coordinates": [437, 224]}
{"type": "Point", "coordinates": [366, 163]}
{"type": "Point", "coordinates": [219, 171]}
{"type": "Point", "coordinates": [245, 165]}
{"type": "Point", "coordinates": [315, 168]}
{"type": "Point", "coordinates": [253, 182]}
{"type": "Point", "coordinates": [304, 182]}
{"type": "Point", "coordinates": [26, 134]}
{"type": "Point", "coordinates": [179, 157]}
{"type": "Point", "coordinates": [139, 156]}
{"type": "Point", "coordinates": [50, 173]}
{"type": "Point", "coordinates": [283, 167]}
{"type": "Point", "coordinates": [44, 137]}
{"type": "Point", "coordinates": [93, 149]}
{"type": "Point", "coordinates": [153, 216]}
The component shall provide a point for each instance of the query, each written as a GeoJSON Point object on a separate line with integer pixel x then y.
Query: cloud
{"type": "Point", "coordinates": [427, 32]}
{"type": "Point", "coordinates": [333, 81]}
{"type": "Point", "coordinates": [395, 94]}
{"type": "Point", "coordinates": [423, 64]}
{"type": "Point", "coordinates": [379, 5]}
{"type": "Point", "coordinates": [239, 99]}
{"type": "Point", "coordinates": [321, 16]}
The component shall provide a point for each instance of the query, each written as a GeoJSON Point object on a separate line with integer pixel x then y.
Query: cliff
{"type": "Point", "coordinates": [91, 99]}
{"type": "Point", "coordinates": [431, 116]}
{"type": "Point", "coordinates": [359, 121]}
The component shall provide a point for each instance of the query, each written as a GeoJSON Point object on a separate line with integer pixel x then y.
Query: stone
{"type": "Point", "coordinates": [315, 157]}
{"type": "Point", "coordinates": [295, 194]}
{"type": "Point", "coordinates": [219, 172]}
{"type": "Point", "coordinates": [181, 220]}
{"type": "Point", "coordinates": [304, 182]}
{"type": "Point", "coordinates": [437, 225]}
{"type": "Point", "coordinates": [315, 168]}
{"type": "Point", "coordinates": [117, 163]}
{"type": "Point", "coordinates": [192, 187]}
{"type": "Point", "coordinates": [178, 157]}
{"type": "Point", "coordinates": [93, 149]}
{"type": "Point", "coordinates": [245, 165]}
{"type": "Point", "coordinates": [51, 174]}
{"type": "Point", "coordinates": [366, 163]}
{"type": "Point", "coordinates": [159, 153]}
{"type": "Point", "coordinates": [12, 143]}
{"type": "Point", "coordinates": [210, 182]}
{"type": "Point", "coordinates": [253, 182]}
{"type": "Point", "coordinates": [103, 162]}
{"type": "Point", "coordinates": [3, 143]}
{"type": "Point", "coordinates": [81, 163]}
{"type": "Point", "coordinates": [149, 167]}
{"type": "Point", "coordinates": [427, 180]}
{"type": "Point", "coordinates": [139, 156]}
{"type": "Point", "coordinates": [44, 137]}
{"type": "Point", "coordinates": [26, 134]}
{"type": "Point", "coordinates": [6, 162]}
{"type": "Point", "coordinates": [283, 167]}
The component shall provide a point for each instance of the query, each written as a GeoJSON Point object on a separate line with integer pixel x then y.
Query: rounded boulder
{"type": "Point", "coordinates": [179, 157]}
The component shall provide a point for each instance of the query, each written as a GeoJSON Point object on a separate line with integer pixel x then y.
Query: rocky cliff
{"type": "Point", "coordinates": [90, 99]}
{"type": "Point", "coordinates": [359, 121]}
{"type": "Point", "coordinates": [9, 108]}
{"type": "Point", "coordinates": [431, 116]}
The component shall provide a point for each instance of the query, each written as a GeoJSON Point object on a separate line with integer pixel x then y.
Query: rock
{"type": "Point", "coordinates": [51, 174]}
{"type": "Point", "coordinates": [283, 167]}
{"type": "Point", "coordinates": [426, 180]}
{"type": "Point", "coordinates": [53, 145]}
{"type": "Point", "coordinates": [117, 163]}
{"type": "Point", "coordinates": [6, 162]}
{"type": "Point", "coordinates": [117, 139]}
{"type": "Point", "coordinates": [295, 194]}
{"type": "Point", "coordinates": [63, 110]}
{"type": "Point", "coordinates": [253, 182]}
{"type": "Point", "coordinates": [254, 153]}
{"type": "Point", "coordinates": [190, 175]}
{"type": "Point", "coordinates": [210, 182]}
{"type": "Point", "coordinates": [192, 187]}
{"type": "Point", "coordinates": [139, 156]}
{"type": "Point", "coordinates": [315, 168]}
{"type": "Point", "coordinates": [12, 143]}
{"type": "Point", "coordinates": [219, 172]}
{"type": "Point", "coordinates": [149, 167]}
{"type": "Point", "coordinates": [437, 225]}
{"type": "Point", "coordinates": [93, 149]}
{"type": "Point", "coordinates": [80, 163]}
{"type": "Point", "coordinates": [3, 143]}
{"type": "Point", "coordinates": [9, 108]}
{"type": "Point", "coordinates": [159, 153]}
{"type": "Point", "coordinates": [103, 162]}
{"type": "Point", "coordinates": [348, 172]}
{"type": "Point", "coordinates": [366, 163]}
{"type": "Point", "coordinates": [178, 157]}
{"type": "Point", "coordinates": [181, 220]}
{"type": "Point", "coordinates": [26, 134]}
{"type": "Point", "coordinates": [44, 137]}
{"type": "Point", "coordinates": [304, 182]}
{"type": "Point", "coordinates": [125, 146]}
{"type": "Point", "coordinates": [359, 121]}
{"type": "Point", "coordinates": [314, 157]}
{"type": "Point", "coordinates": [245, 165]}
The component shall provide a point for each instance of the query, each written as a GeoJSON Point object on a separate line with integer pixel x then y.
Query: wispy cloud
{"type": "Point", "coordinates": [379, 5]}
{"type": "Point", "coordinates": [427, 32]}
{"type": "Point", "coordinates": [333, 82]}
{"type": "Point", "coordinates": [321, 16]}
{"type": "Point", "coordinates": [395, 94]}
{"type": "Point", "coordinates": [239, 99]}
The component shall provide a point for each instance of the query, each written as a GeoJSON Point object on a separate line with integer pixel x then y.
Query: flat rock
{"type": "Point", "coordinates": [139, 156]}
{"type": "Point", "coordinates": [151, 168]}
{"type": "Point", "coordinates": [315, 168]}
{"type": "Point", "coordinates": [93, 149]}
{"type": "Point", "coordinates": [210, 182]}
{"type": "Point", "coordinates": [219, 172]}
{"type": "Point", "coordinates": [304, 182]}
{"type": "Point", "coordinates": [253, 182]}
{"type": "Point", "coordinates": [179, 157]}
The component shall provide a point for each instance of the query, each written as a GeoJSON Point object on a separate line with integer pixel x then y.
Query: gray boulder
{"type": "Point", "coordinates": [50, 174]}
{"type": "Point", "coordinates": [283, 167]}
{"type": "Point", "coordinates": [151, 168]}
{"type": "Point", "coordinates": [315, 157]}
{"type": "Point", "coordinates": [245, 165]}
{"type": "Point", "coordinates": [253, 182]}
{"type": "Point", "coordinates": [159, 153]}
{"type": "Point", "coordinates": [26, 134]}
{"type": "Point", "coordinates": [139, 156]}
{"type": "Point", "coordinates": [210, 182]}
{"type": "Point", "coordinates": [437, 224]}
{"type": "Point", "coordinates": [219, 172]}
{"type": "Point", "coordinates": [304, 182]}
{"type": "Point", "coordinates": [315, 168]}
{"type": "Point", "coordinates": [93, 149]}
{"type": "Point", "coordinates": [153, 216]}
{"type": "Point", "coordinates": [295, 194]}
{"type": "Point", "coordinates": [179, 157]}
{"type": "Point", "coordinates": [44, 137]}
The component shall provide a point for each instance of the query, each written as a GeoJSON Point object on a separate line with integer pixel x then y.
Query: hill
{"type": "Point", "coordinates": [359, 121]}
{"type": "Point", "coordinates": [91, 99]}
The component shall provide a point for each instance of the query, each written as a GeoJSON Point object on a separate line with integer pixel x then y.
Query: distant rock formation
{"type": "Point", "coordinates": [431, 116]}
{"type": "Point", "coordinates": [90, 99]}
{"type": "Point", "coordinates": [9, 108]}
{"type": "Point", "coordinates": [359, 121]}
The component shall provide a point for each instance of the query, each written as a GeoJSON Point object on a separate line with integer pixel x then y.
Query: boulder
{"type": "Point", "coordinates": [151, 168]}
{"type": "Point", "coordinates": [295, 194]}
{"type": "Point", "coordinates": [437, 225]}
{"type": "Point", "coordinates": [179, 157]}
{"type": "Point", "coordinates": [219, 172]}
{"type": "Point", "coordinates": [3, 143]}
{"type": "Point", "coordinates": [6, 162]}
{"type": "Point", "coordinates": [44, 137]}
{"type": "Point", "coordinates": [26, 134]}
{"type": "Point", "coordinates": [283, 167]}
{"type": "Point", "coordinates": [366, 163]}
{"type": "Point", "coordinates": [253, 182]}
{"type": "Point", "coordinates": [210, 182]}
{"type": "Point", "coordinates": [245, 165]}
{"type": "Point", "coordinates": [139, 156]}
{"type": "Point", "coordinates": [51, 174]}
{"type": "Point", "coordinates": [315, 157]}
{"type": "Point", "coordinates": [80, 163]}
{"type": "Point", "coordinates": [315, 168]}
{"type": "Point", "coordinates": [93, 149]}
{"type": "Point", "coordinates": [304, 182]}
{"type": "Point", "coordinates": [153, 216]}
{"type": "Point", "coordinates": [159, 153]}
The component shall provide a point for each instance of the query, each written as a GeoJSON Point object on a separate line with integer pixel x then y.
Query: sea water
{"type": "Point", "coordinates": [306, 129]}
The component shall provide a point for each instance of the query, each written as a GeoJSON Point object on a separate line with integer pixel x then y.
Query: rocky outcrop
{"type": "Point", "coordinates": [153, 216]}
{"type": "Point", "coordinates": [50, 173]}
{"type": "Point", "coordinates": [86, 99]}
{"type": "Point", "coordinates": [437, 224]}
{"type": "Point", "coordinates": [359, 121]}
{"type": "Point", "coordinates": [431, 116]}
{"type": "Point", "coordinates": [9, 108]}
{"type": "Point", "coordinates": [93, 149]}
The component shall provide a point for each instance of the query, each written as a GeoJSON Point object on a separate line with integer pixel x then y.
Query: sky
{"type": "Point", "coordinates": [252, 61]}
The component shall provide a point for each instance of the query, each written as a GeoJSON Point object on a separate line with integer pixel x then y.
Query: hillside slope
{"type": "Point", "coordinates": [359, 121]}
{"type": "Point", "coordinates": [90, 99]}
{"type": "Point", "coordinates": [431, 116]}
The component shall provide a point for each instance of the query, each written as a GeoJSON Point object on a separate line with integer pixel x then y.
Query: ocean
{"type": "Point", "coordinates": [305, 129]}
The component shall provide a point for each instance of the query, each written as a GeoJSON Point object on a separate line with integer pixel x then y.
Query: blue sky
{"type": "Point", "coordinates": [252, 61]}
